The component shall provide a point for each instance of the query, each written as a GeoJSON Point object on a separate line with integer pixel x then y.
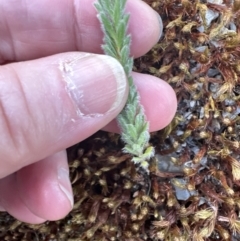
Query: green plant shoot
{"type": "Point", "coordinates": [132, 120]}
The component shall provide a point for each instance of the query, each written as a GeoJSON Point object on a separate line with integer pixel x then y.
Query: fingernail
{"type": "Point", "coordinates": [160, 23]}
{"type": "Point", "coordinates": [96, 83]}
{"type": "Point", "coordinates": [65, 185]}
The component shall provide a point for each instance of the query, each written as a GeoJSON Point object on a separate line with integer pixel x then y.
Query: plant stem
{"type": "Point", "coordinates": [132, 120]}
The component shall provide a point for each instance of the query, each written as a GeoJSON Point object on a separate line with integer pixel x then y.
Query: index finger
{"type": "Point", "coordinates": [33, 29]}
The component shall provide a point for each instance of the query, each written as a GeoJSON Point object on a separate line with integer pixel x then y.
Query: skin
{"type": "Point", "coordinates": [44, 45]}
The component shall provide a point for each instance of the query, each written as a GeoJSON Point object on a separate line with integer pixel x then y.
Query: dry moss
{"type": "Point", "coordinates": [199, 56]}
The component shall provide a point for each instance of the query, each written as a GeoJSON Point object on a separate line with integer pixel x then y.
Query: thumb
{"type": "Point", "coordinates": [49, 104]}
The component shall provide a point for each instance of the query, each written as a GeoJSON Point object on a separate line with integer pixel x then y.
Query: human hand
{"type": "Point", "coordinates": [52, 97]}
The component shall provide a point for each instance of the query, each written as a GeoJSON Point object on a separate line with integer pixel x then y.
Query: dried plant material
{"type": "Point", "coordinates": [235, 167]}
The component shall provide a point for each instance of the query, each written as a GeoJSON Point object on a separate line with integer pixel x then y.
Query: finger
{"type": "Point", "coordinates": [45, 188]}
{"type": "Point", "coordinates": [44, 28]}
{"type": "Point", "coordinates": [159, 101]}
{"type": "Point", "coordinates": [52, 103]}
{"type": "Point", "coordinates": [2, 209]}
{"type": "Point", "coordinates": [12, 203]}
{"type": "Point", "coordinates": [39, 192]}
